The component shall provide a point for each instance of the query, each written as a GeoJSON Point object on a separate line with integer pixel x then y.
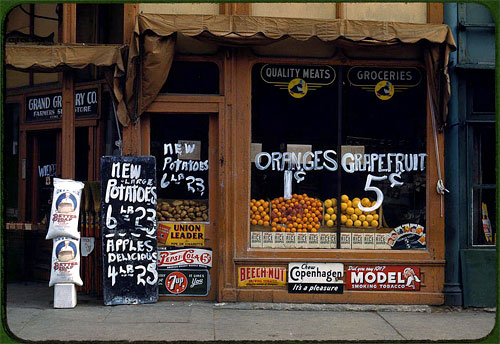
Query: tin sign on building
{"type": "Point", "coordinates": [183, 282]}
{"type": "Point", "coordinates": [261, 276]}
{"type": "Point", "coordinates": [382, 277]}
{"type": "Point", "coordinates": [315, 278]}
{"type": "Point", "coordinates": [184, 258]}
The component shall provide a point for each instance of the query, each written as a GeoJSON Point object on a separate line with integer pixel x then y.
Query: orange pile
{"type": "Point", "coordinates": [259, 212]}
{"type": "Point", "coordinates": [301, 213]}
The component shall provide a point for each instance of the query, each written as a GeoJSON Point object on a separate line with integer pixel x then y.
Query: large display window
{"type": "Point", "coordinates": [338, 157]}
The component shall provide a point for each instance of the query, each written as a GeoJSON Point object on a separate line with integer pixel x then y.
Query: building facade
{"type": "Point", "coordinates": [315, 134]}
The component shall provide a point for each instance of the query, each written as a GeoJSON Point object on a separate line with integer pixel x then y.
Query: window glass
{"type": "Point", "coordinates": [192, 77]}
{"type": "Point", "coordinates": [483, 183]}
{"type": "Point", "coordinates": [384, 155]}
{"type": "Point", "coordinates": [180, 145]}
{"type": "Point", "coordinates": [355, 178]}
{"type": "Point", "coordinates": [482, 87]}
{"type": "Point", "coordinates": [483, 216]}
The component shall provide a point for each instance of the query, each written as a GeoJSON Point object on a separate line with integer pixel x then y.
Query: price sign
{"type": "Point", "coordinates": [129, 238]}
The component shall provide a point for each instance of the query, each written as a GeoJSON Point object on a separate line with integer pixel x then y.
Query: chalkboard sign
{"type": "Point", "coordinates": [129, 237]}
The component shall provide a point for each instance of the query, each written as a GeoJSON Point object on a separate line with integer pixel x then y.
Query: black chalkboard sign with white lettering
{"type": "Point", "coordinates": [129, 238]}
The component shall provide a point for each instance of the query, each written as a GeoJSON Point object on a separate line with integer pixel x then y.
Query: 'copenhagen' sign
{"type": "Point", "coordinates": [49, 106]}
{"type": "Point", "coordinates": [315, 278]}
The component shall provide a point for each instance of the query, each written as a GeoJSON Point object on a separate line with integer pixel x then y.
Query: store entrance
{"type": "Point", "coordinates": [43, 164]}
{"type": "Point", "coordinates": [185, 146]}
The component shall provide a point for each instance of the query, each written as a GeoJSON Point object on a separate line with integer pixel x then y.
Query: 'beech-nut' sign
{"type": "Point", "coordinates": [261, 276]}
{"type": "Point", "coordinates": [128, 222]}
{"type": "Point", "coordinates": [49, 106]}
{"type": "Point", "coordinates": [383, 277]}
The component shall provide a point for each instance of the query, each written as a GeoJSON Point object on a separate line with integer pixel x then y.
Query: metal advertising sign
{"type": "Point", "coordinates": [183, 282]}
{"type": "Point", "coordinates": [261, 276]}
{"type": "Point", "coordinates": [184, 258]}
{"type": "Point", "coordinates": [315, 278]}
{"type": "Point", "coordinates": [382, 277]}
{"type": "Point", "coordinates": [181, 234]}
{"type": "Point", "coordinates": [49, 106]}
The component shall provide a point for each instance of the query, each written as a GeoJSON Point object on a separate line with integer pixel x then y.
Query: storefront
{"type": "Point", "coordinates": [285, 144]}
{"type": "Point", "coordinates": [45, 130]}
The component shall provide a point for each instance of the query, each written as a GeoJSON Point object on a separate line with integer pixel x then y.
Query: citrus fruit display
{"type": "Point", "coordinates": [301, 213]}
{"type": "Point", "coordinates": [350, 214]}
{"type": "Point", "coordinates": [259, 212]}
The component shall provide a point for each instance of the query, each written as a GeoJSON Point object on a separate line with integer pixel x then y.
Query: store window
{"type": "Point", "coordinates": [180, 145]}
{"type": "Point", "coordinates": [481, 157]}
{"type": "Point", "coordinates": [338, 157]}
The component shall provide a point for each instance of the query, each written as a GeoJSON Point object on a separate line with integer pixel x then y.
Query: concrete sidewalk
{"type": "Point", "coordinates": [30, 316]}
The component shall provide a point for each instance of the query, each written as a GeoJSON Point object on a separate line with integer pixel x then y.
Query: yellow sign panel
{"type": "Point", "coordinates": [181, 234]}
{"type": "Point", "coordinates": [249, 276]}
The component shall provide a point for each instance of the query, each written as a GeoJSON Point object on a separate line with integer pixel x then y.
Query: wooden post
{"type": "Point", "coordinates": [68, 127]}
{"type": "Point", "coordinates": [132, 134]}
{"type": "Point", "coordinates": [68, 116]}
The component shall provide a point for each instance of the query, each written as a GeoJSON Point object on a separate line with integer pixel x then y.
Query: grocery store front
{"type": "Point", "coordinates": [306, 154]}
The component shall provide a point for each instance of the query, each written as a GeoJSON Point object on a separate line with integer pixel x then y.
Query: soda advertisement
{"type": "Point", "coordinates": [183, 282]}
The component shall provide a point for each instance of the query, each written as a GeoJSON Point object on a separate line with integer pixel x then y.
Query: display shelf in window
{"type": "Point", "coordinates": [182, 210]}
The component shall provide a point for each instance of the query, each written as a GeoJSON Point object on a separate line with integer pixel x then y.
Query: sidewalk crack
{"type": "Point", "coordinates": [388, 323]}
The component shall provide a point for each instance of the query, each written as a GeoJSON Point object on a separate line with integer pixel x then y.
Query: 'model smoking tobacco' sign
{"type": "Point", "coordinates": [129, 239]}
{"type": "Point", "coordinates": [297, 79]}
{"type": "Point", "coordinates": [382, 277]}
{"type": "Point", "coordinates": [315, 278]}
{"type": "Point", "coordinates": [184, 282]}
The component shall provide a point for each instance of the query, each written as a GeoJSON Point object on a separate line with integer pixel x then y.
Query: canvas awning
{"type": "Point", "coordinates": [152, 47]}
{"type": "Point", "coordinates": [65, 57]}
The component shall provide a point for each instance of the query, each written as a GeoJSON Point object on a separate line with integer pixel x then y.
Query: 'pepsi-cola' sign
{"type": "Point", "coordinates": [184, 258]}
{"type": "Point", "coordinates": [383, 277]}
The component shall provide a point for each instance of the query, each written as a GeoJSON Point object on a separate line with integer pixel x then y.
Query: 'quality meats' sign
{"type": "Point", "coordinates": [315, 278]}
{"type": "Point", "coordinates": [184, 258]}
{"type": "Point", "coordinates": [297, 79]}
{"type": "Point", "coordinates": [382, 277]}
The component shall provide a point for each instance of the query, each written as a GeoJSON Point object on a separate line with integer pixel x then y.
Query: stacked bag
{"type": "Point", "coordinates": [63, 230]}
